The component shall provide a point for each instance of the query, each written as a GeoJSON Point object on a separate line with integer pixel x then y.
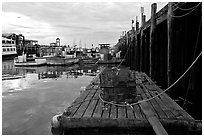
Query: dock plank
{"type": "Point", "coordinates": [143, 95]}
{"type": "Point", "coordinates": [77, 103]}
{"type": "Point", "coordinates": [81, 110]}
{"type": "Point", "coordinates": [98, 109]}
{"type": "Point", "coordinates": [130, 112]}
{"type": "Point", "coordinates": [113, 111]}
{"type": "Point", "coordinates": [106, 110]}
{"type": "Point", "coordinates": [155, 105]}
{"type": "Point", "coordinates": [121, 112]}
{"type": "Point", "coordinates": [89, 111]}
{"type": "Point", "coordinates": [155, 123]}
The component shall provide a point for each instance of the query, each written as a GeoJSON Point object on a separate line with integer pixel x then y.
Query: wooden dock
{"type": "Point", "coordinates": [88, 114]}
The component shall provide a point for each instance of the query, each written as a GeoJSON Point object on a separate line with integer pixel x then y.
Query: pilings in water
{"type": "Point", "coordinates": [165, 46]}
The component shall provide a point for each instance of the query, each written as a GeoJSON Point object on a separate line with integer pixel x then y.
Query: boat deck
{"type": "Point", "coordinates": [88, 114]}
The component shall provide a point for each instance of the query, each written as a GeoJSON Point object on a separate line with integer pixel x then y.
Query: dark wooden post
{"type": "Point", "coordinates": [152, 37]}
{"type": "Point", "coordinates": [141, 49]}
{"type": "Point", "coordinates": [169, 48]}
{"type": "Point", "coordinates": [142, 11]}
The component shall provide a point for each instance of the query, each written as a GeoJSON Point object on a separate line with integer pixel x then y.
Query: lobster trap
{"type": "Point", "coordinates": [118, 85]}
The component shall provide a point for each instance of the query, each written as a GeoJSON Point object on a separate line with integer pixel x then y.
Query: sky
{"type": "Point", "coordinates": [73, 22]}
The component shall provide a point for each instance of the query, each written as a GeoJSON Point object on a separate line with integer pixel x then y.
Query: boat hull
{"type": "Point", "coordinates": [53, 61]}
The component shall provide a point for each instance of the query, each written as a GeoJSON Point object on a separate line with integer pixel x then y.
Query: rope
{"type": "Point", "coordinates": [145, 100]}
{"type": "Point", "coordinates": [124, 57]}
{"type": "Point", "coordinates": [184, 103]}
{"type": "Point", "coordinates": [188, 8]}
{"type": "Point", "coordinates": [184, 14]}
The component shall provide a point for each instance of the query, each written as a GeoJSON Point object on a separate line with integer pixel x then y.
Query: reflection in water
{"type": "Point", "coordinates": [44, 72]}
{"type": "Point", "coordinates": [29, 103]}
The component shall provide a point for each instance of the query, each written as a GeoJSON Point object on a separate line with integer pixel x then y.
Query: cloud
{"type": "Point", "coordinates": [93, 22]}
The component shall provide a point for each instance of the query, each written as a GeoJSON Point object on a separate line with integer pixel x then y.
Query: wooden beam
{"type": "Point", "coordinates": [98, 122]}
{"type": "Point", "coordinates": [170, 45]}
{"type": "Point", "coordinates": [154, 122]}
{"type": "Point", "coordinates": [152, 37]}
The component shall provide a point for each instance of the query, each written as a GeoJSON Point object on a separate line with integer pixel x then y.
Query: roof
{"type": "Point", "coordinates": [103, 44]}
{"type": "Point", "coordinates": [31, 40]}
{"type": "Point", "coordinates": [3, 38]}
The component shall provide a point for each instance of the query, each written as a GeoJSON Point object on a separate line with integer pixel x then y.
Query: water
{"type": "Point", "coordinates": [29, 103]}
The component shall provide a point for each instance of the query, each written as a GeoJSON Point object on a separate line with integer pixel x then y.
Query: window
{"type": "Point", "coordinates": [4, 49]}
{"type": "Point", "coordinates": [3, 41]}
{"type": "Point", "coordinates": [11, 49]}
{"type": "Point", "coordinates": [14, 49]}
{"type": "Point", "coordinates": [9, 42]}
{"type": "Point", "coordinates": [8, 49]}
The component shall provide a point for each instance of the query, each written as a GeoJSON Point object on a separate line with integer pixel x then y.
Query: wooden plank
{"type": "Point", "coordinates": [176, 109]}
{"type": "Point", "coordinates": [155, 105]}
{"type": "Point", "coordinates": [137, 110]}
{"type": "Point", "coordinates": [106, 110]}
{"type": "Point", "coordinates": [92, 105]}
{"type": "Point", "coordinates": [98, 109]}
{"type": "Point", "coordinates": [121, 112]}
{"type": "Point", "coordinates": [77, 103]}
{"type": "Point", "coordinates": [130, 112]}
{"type": "Point", "coordinates": [163, 106]}
{"type": "Point", "coordinates": [113, 113]}
{"type": "Point", "coordinates": [155, 123]}
{"type": "Point", "coordinates": [143, 95]}
{"type": "Point", "coordinates": [81, 110]}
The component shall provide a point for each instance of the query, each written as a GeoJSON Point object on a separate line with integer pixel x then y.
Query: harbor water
{"type": "Point", "coordinates": [37, 94]}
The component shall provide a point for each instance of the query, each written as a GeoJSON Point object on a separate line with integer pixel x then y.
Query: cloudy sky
{"type": "Point", "coordinates": [88, 22]}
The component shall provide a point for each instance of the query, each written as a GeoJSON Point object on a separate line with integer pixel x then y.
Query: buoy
{"type": "Point", "coordinates": [56, 121]}
{"type": "Point", "coordinates": [56, 128]}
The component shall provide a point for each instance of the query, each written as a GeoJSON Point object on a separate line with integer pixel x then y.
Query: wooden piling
{"type": "Point", "coordinates": [152, 36]}
{"type": "Point", "coordinates": [170, 41]}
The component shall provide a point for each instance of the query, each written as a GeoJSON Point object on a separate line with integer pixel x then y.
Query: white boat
{"type": "Point", "coordinates": [8, 48]}
{"type": "Point", "coordinates": [21, 61]}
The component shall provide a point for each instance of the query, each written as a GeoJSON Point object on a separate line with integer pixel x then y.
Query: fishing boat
{"type": "Point", "coordinates": [21, 61]}
{"type": "Point", "coordinates": [10, 77]}
{"type": "Point", "coordinates": [61, 61]}
{"type": "Point", "coordinates": [88, 60]}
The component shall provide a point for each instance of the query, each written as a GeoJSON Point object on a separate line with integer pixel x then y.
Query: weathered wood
{"type": "Point", "coordinates": [77, 103]}
{"type": "Point", "coordinates": [152, 43]}
{"type": "Point", "coordinates": [98, 109]}
{"type": "Point", "coordinates": [113, 113]}
{"type": "Point", "coordinates": [170, 46]}
{"type": "Point", "coordinates": [141, 50]}
{"type": "Point", "coordinates": [84, 105]}
{"type": "Point", "coordinates": [88, 111]}
{"type": "Point", "coordinates": [92, 105]}
{"type": "Point", "coordinates": [154, 104]}
{"type": "Point", "coordinates": [155, 123]}
{"type": "Point", "coordinates": [121, 112]}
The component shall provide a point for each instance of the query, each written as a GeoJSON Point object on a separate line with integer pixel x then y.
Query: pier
{"type": "Point", "coordinates": [90, 114]}
{"type": "Point", "coordinates": [164, 52]}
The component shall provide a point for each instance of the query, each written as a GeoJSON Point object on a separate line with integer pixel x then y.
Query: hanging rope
{"type": "Point", "coordinates": [123, 104]}
{"type": "Point", "coordinates": [184, 103]}
{"type": "Point", "coordinates": [186, 13]}
{"type": "Point", "coordinates": [188, 8]}
{"type": "Point", "coordinates": [124, 57]}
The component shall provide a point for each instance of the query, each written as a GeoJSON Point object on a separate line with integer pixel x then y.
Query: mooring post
{"type": "Point", "coordinates": [141, 38]}
{"type": "Point", "coordinates": [169, 48]}
{"type": "Point", "coordinates": [152, 38]}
